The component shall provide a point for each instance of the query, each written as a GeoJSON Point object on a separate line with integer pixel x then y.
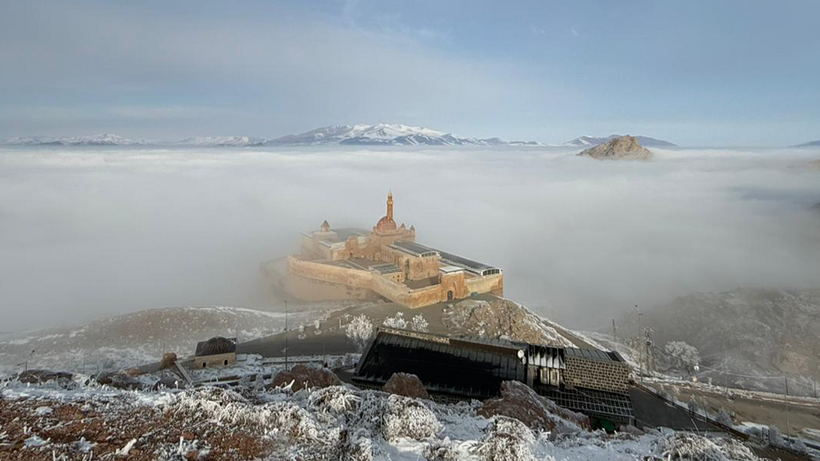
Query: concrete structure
{"type": "Point", "coordinates": [383, 263]}
{"type": "Point", "coordinates": [215, 352]}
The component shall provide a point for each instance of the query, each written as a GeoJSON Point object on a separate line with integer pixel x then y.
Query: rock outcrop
{"type": "Point", "coordinates": [500, 318]}
{"type": "Point", "coordinates": [304, 377]}
{"type": "Point", "coordinates": [622, 148]}
{"type": "Point", "coordinates": [522, 403]}
{"type": "Point", "coordinates": [43, 376]}
{"type": "Point", "coordinates": [118, 380]}
{"type": "Point", "coordinates": [406, 384]}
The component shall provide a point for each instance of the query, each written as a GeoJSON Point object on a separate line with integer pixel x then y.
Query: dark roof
{"type": "Point", "coordinates": [468, 264]}
{"type": "Point", "coordinates": [447, 365]}
{"type": "Point", "coordinates": [215, 346]}
{"type": "Point", "coordinates": [415, 249]}
{"type": "Point", "coordinates": [594, 354]}
{"type": "Point", "coordinates": [386, 268]}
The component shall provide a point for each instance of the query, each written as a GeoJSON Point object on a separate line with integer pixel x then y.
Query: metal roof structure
{"type": "Point", "coordinates": [474, 368]}
{"type": "Point", "coordinates": [598, 404]}
{"type": "Point", "coordinates": [446, 365]}
{"type": "Point", "coordinates": [415, 249]}
{"type": "Point", "coordinates": [386, 268]}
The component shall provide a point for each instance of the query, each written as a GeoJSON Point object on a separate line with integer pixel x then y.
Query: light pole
{"type": "Point", "coordinates": [640, 314]}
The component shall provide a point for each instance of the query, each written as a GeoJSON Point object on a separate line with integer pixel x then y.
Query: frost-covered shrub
{"type": "Point", "coordinates": [443, 450]}
{"type": "Point", "coordinates": [359, 330]}
{"type": "Point", "coordinates": [682, 355]}
{"type": "Point", "coordinates": [407, 417]}
{"type": "Point", "coordinates": [359, 449]}
{"type": "Point", "coordinates": [396, 321]}
{"type": "Point", "coordinates": [506, 439]}
{"type": "Point", "coordinates": [688, 446]}
{"type": "Point", "coordinates": [419, 323]}
{"type": "Point", "coordinates": [294, 421]}
{"type": "Point", "coordinates": [334, 400]}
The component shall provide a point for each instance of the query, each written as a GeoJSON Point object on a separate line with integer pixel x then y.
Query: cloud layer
{"type": "Point", "coordinates": [96, 232]}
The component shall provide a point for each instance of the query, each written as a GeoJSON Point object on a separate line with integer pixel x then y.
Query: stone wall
{"type": "Point", "coordinates": [328, 273]}
{"type": "Point", "coordinates": [307, 289]}
{"type": "Point", "coordinates": [218, 360]}
{"type": "Point", "coordinates": [490, 284]}
{"type": "Point", "coordinates": [598, 375]}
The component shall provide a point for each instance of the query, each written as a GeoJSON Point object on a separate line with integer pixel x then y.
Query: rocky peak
{"type": "Point", "coordinates": [621, 147]}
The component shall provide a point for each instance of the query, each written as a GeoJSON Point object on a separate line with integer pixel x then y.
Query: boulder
{"type": "Point", "coordinates": [304, 377]}
{"type": "Point", "coordinates": [134, 372]}
{"type": "Point", "coordinates": [118, 380]}
{"type": "Point", "coordinates": [406, 384]}
{"type": "Point", "coordinates": [519, 401]}
{"type": "Point", "coordinates": [167, 361]}
{"type": "Point", "coordinates": [43, 376]}
{"type": "Point", "coordinates": [620, 147]}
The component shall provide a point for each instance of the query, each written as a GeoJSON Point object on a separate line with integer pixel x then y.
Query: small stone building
{"type": "Point", "coordinates": [215, 352]}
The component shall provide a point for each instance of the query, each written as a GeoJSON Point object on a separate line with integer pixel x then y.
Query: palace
{"type": "Point", "coordinates": [384, 263]}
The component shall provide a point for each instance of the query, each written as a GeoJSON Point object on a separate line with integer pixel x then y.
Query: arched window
{"type": "Point", "coordinates": [226, 361]}
{"type": "Point", "coordinates": [204, 364]}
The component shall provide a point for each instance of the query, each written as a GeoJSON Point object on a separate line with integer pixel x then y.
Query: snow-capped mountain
{"type": "Point", "coordinates": [589, 141]}
{"type": "Point", "coordinates": [221, 141]}
{"type": "Point", "coordinates": [386, 135]}
{"type": "Point", "coordinates": [104, 139]}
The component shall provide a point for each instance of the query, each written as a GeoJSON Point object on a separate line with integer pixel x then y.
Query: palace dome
{"type": "Point", "coordinates": [386, 224]}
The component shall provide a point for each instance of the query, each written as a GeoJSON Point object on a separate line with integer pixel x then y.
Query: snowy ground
{"type": "Point", "coordinates": [81, 420]}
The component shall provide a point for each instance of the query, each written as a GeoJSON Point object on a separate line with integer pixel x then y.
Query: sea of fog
{"type": "Point", "coordinates": [91, 232]}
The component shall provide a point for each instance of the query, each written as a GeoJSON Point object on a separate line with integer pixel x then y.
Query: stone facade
{"type": "Point", "coordinates": [218, 360]}
{"type": "Point", "coordinates": [612, 376]}
{"type": "Point", "coordinates": [384, 262]}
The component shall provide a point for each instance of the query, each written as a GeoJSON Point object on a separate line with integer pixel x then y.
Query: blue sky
{"type": "Point", "coordinates": [698, 73]}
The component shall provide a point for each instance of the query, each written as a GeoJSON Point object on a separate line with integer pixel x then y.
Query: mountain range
{"type": "Point", "coordinates": [104, 139]}
{"type": "Point", "coordinates": [809, 144]}
{"type": "Point", "coordinates": [358, 135]}
{"type": "Point", "coordinates": [386, 135]}
{"type": "Point", "coordinates": [589, 141]}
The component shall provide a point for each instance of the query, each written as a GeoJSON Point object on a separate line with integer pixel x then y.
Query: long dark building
{"type": "Point", "coordinates": [589, 381]}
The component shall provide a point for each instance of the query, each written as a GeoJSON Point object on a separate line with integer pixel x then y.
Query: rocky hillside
{"type": "Point", "coordinates": [748, 338]}
{"type": "Point", "coordinates": [137, 338]}
{"type": "Point", "coordinates": [619, 148]}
